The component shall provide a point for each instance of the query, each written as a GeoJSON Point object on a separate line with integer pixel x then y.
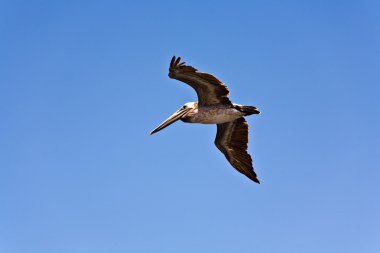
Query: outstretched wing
{"type": "Point", "coordinates": [232, 140]}
{"type": "Point", "coordinates": [210, 90]}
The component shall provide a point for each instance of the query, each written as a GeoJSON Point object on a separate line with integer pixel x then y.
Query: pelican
{"type": "Point", "coordinates": [214, 107]}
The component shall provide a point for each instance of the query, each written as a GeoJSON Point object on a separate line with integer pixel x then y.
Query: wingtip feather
{"type": "Point", "coordinates": [177, 61]}
{"type": "Point", "coordinates": [172, 61]}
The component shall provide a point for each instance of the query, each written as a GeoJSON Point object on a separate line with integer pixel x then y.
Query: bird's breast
{"type": "Point", "coordinates": [212, 115]}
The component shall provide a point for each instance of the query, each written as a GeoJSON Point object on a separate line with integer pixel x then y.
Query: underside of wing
{"type": "Point", "coordinates": [232, 140]}
{"type": "Point", "coordinates": [210, 90]}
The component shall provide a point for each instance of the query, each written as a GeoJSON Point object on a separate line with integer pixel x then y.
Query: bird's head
{"type": "Point", "coordinates": [180, 113]}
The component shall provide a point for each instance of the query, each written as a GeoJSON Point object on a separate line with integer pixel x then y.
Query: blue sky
{"type": "Point", "coordinates": [82, 83]}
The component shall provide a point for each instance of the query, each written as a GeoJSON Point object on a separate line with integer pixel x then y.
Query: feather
{"type": "Point", "coordinates": [210, 90]}
{"type": "Point", "coordinates": [232, 140]}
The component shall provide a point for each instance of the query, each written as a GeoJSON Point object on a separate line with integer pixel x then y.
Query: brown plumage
{"type": "Point", "coordinates": [214, 107]}
{"type": "Point", "coordinates": [210, 90]}
{"type": "Point", "coordinates": [232, 140]}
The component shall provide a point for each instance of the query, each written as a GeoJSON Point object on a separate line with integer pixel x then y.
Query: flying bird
{"type": "Point", "coordinates": [214, 107]}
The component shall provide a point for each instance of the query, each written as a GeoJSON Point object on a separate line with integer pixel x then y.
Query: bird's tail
{"type": "Point", "coordinates": [249, 110]}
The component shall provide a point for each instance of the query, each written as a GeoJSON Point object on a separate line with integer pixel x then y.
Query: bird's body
{"type": "Point", "coordinates": [212, 114]}
{"type": "Point", "coordinates": [214, 107]}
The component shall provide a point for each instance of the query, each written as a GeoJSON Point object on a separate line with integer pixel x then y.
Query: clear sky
{"type": "Point", "coordinates": [82, 83]}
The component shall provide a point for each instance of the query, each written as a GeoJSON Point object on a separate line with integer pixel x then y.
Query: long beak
{"type": "Point", "coordinates": [176, 116]}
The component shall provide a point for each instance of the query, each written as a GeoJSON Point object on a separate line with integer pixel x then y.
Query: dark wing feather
{"type": "Point", "coordinates": [210, 90]}
{"type": "Point", "coordinates": [232, 140]}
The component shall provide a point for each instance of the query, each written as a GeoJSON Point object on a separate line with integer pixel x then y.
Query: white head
{"type": "Point", "coordinates": [189, 105]}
